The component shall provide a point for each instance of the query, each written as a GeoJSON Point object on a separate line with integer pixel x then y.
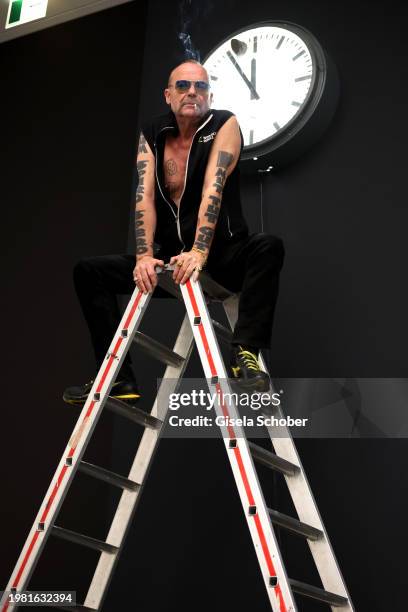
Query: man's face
{"type": "Point", "coordinates": [193, 102]}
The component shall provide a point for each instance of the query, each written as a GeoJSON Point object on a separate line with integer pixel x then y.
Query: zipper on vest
{"type": "Point", "coordinates": [185, 180]}
{"type": "Point", "coordinates": [229, 227]}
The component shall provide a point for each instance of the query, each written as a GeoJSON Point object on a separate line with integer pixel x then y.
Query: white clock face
{"type": "Point", "coordinates": [262, 75]}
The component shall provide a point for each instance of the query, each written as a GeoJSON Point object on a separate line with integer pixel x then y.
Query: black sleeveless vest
{"type": "Point", "coordinates": [176, 227]}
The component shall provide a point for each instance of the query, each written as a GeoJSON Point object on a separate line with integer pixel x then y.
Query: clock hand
{"type": "Point", "coordinates": [254, 93]}
{"type": "Point", "coordinates": [253, 78]}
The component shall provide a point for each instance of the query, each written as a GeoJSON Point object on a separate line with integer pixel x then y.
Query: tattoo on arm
{"type": "Point", "coordinates": [140, 232]}
{"type": "Point", "coordinates": [204, 238]}
{"type": "Point", "coordinates": [224, 159]}
{"type": "Point", "coordinates": [206, 233]}
{"type": "Point", "coordinates": [141, 170]}
{"type": "Point", "coordinates": [142, 144]}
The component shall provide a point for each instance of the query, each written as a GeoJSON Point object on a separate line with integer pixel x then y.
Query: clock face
{"type": "Point", "coordinates": [264, 75]}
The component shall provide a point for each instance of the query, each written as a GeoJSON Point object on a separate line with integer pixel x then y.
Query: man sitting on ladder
{"type": "Point", "coordinates": [188, 202]}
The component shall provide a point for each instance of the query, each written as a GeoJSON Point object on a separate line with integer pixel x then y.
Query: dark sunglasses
{"type": "Point", "coordinates": [182, 86]}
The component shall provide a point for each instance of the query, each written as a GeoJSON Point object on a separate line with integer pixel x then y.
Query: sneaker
{"type": "Point", "coordinates": [246, 371]}
{"type": "Point", "coordinates": [124, 390]}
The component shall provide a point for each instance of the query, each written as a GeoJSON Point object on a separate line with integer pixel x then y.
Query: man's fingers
{"type": "Point", "coordinates": [196, 274]}
{"type": "Point", "coordinates": [152, 275]}
{"type": "Point", "coordinates": [146, 281]}
{"type": "Point", "coordinates": [188, 272]}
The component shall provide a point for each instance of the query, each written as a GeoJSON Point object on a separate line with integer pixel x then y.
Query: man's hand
{"type": "Point", "coordinates": [187, 264]}
{"type": "Point", "coordinates": [144, 273]}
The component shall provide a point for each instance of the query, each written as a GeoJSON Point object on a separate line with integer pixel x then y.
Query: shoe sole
{"type": "Point", "coordinates": [125, 398]}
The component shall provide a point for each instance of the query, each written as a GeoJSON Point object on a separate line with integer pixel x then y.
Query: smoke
{"type": "Point", "coordinates": [192, 13]}
{"type": "Point", "coordinates": [189, 50]}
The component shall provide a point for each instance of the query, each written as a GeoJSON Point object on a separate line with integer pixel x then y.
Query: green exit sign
{"type": "Point", "coordinates": [23, 11]}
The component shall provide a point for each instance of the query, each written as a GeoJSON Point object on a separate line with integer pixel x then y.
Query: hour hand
{"type": "Point", "coordinates": [254, 93]}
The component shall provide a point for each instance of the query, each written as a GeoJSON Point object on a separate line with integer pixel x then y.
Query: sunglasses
{"type": "Point", "coordinates": [183, 85]}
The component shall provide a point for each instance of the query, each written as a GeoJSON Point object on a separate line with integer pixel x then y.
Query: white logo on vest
{"type": "Point", "coordinates": [207, 138]}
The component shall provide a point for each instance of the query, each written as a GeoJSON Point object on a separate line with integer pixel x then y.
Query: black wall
{"type": "Point", "coordinates": [341, 313]}
{"type": "Point", "coordinates": [70, 100]}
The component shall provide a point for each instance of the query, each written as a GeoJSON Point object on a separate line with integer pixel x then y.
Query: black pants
{"type": "Point", "coordinates": [250, 265]}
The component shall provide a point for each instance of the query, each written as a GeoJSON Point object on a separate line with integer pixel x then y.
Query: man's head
{"type": "Point", "coordinates": [188, 91]}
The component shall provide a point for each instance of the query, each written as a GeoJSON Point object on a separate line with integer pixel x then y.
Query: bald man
{"type": "Point", "coordinates": [188, 206]}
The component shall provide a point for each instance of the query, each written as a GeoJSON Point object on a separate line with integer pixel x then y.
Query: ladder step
{"type": "Point", "coordinates": [133, 413]}
{"type": "Point", "coordinates": [158, 350]}
{"type": "Point", "coordinates": [294, 525]}
{"type": "Point", "coordinates": [73, 608]}
{"type": "Point", "coordinates": [79, 538]}
{"type": "Point", "coordinates": [316, 593]}
{"type": "Point", "coordinates": [107, 476]}
{"type": "Point", "coordinates": [222, 332]}
{"type": "Point", "coordinates": [271, 460]}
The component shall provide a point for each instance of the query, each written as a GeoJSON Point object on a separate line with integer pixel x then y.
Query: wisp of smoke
{"type": "Point", "coordinates": [188, 14]}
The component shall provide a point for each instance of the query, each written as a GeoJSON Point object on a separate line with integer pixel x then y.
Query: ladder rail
{"type": "Point", "coordinates": [138, 473]}
{"type": "Point", "coordinates": [301, 492]}
{"type": "Point", "coordinates": [75, 448]}
{"type": "Point", "coordinates": [256, 512]}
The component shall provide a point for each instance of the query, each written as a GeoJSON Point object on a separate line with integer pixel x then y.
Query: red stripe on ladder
{"type": "Point", "coordinates": [72, 450]}
{"type": "Point", "coordinates": [237, 453]}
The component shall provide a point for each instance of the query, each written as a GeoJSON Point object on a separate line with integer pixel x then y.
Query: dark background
{"type": "Point", "coordinates": [72, 98]}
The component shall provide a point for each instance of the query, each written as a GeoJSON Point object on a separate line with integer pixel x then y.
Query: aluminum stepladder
{"type": "Point", "coordinates": [197, 327]}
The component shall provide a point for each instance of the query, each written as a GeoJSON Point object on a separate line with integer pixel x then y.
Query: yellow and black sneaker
{"type": "Point", "coordinates": [245, 369]}
{"type": "Point", "coordinates": [124, 390]}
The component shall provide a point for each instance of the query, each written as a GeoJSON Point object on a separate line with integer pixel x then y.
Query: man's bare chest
{"type": "Point", "coordinates": [174, 168]}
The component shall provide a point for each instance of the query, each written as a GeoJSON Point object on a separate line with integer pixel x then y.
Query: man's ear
{"type": "Point", "coordinates": [167, 95]}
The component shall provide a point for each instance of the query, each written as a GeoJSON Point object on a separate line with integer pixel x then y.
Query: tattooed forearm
{"type": "Point", "coordinates": [142, 144]}
{"type": "Point", "coordinates": [140, 232]}
{"type": "Point", "coordinates": [213, 209]}
{"type": "Point", "coordinates": [141, 169]}
{"type": "Point", "coordinates": [204, 238]}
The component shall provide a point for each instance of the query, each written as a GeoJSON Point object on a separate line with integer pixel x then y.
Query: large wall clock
{"type": "Point", "coordinates": [282, 86]}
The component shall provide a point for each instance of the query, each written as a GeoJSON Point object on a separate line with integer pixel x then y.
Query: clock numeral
{"type": "Point", "coordinates": [255, 44]}
{"type": "Point", "coordinates": [276, 125]}
{"type": "Point", "coordinates": [251, 136]}
{"type": "Point", "coordinates": [282, 38]}
{"type": "Point", "coordinates": [294, 103]}
{"type": "Point", "coordinates": [298, 55]}
{"type": "Point", "coordinates": [303, 78]}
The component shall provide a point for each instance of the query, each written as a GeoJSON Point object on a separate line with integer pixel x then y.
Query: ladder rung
{"type": "Point", "coordinates": [133, 413]}
{"type": "Point", "coordinates": [158, 350]}
{"type": "Point", "coordinates": [79, 538]}
{"type": "Point", "coordinates": [292, 524]}
{"type": "Point", "coordinates": [316, 593]}
{"type": "Point", "coordinates": [222, 332]}
{"type": "Point", "coordinates": [273, 461]}
{"type": "Point", "coordinates": [107, 476]}
{"type": "Point", "coordinates": [73, 608]}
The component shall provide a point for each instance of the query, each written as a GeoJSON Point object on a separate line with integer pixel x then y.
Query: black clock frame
{"type": "Point", "coordinates": [312, 118]}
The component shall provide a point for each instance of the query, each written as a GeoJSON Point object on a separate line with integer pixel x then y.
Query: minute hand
{"type": "Point", "coordinates": [244, 76]}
